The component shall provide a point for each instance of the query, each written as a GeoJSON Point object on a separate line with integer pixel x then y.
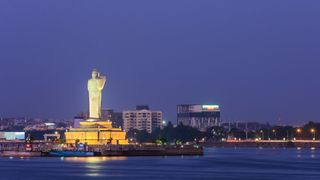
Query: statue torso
{"type": "Point", "coordinates": [93, 85]}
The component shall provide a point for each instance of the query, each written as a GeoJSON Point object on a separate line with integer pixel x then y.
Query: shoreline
{"type": "Point", "coordinates": [265, 144]}
{"type": "Point", "coordinates": [110, 151]}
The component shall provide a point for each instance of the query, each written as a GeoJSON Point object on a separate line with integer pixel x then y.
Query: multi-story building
{"type": "Point", "coordinates": [142, 119]}
{"type": "Point", "coordinates": [198, 116]}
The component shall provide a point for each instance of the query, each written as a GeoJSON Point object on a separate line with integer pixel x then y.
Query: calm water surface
{"type": "Point", "coordinates": [218, 163]}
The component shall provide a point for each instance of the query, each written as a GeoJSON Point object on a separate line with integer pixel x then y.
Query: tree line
{"type": "Point", "coordinates": [182, 134]}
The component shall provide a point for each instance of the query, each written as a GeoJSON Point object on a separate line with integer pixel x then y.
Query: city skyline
{"type": "Point", "coordinates": [171, 89]}
{"type": "Point", "coordinates": [257, 64]}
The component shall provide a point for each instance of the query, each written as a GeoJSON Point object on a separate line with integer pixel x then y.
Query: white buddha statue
{"type": "Point", "coordinates": [95, 87]}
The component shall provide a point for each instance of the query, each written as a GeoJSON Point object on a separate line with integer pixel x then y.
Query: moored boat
{"type": "Point", "coordinates": [20, 154]}
{"type": "Point", "coordinates": [61, 153]}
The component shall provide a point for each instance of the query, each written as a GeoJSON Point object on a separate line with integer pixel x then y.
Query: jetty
{"type": "Point", "coordinates": [152, 150]}
{"type": "Point", "coordinates": [42, 149]}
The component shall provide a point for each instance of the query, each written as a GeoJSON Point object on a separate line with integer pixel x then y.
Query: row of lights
{"type": "Point", "coordinates": [312, 130]}
{"type": "Point", "coordinates": [298, 130]}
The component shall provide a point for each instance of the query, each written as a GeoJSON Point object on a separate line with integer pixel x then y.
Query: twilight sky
{"type": "Point", "coordinates": [260, 60]}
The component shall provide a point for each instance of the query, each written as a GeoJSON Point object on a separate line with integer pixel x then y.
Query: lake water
{"type": "Point", "coordinates": [217, 163]}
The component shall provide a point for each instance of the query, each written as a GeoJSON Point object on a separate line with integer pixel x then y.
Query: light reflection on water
{"type": "Point", "coordinates": [218, 163]}
{"type": "Point", "coordinates": [93, 165]}
{"type": "Point", "coordinates": [94, 159]}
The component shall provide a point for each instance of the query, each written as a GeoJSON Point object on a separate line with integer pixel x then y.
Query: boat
{"type": "Point", "coordinates": [62, 153]}
{"type": "Point", "coordinates": [20, 154]}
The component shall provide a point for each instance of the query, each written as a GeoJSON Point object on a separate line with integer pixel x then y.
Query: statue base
{"type": "Point", "coordinates": [93, 119]}
{"type": "Point", "coordinates": [96, 132]}
{"type": "Point", "coordinates": [95, 123]}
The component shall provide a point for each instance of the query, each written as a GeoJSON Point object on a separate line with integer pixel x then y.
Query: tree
{"type": "Point", "coordinates": [216, 133]}
{"type": "Point", "coordinates": [237, 133]}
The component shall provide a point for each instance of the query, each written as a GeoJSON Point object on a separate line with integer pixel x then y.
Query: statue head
{"type": "Point", "coordinates": [94, 74]}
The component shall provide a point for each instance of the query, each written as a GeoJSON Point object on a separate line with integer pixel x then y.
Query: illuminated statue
{"type": "Point", "coordinates": [95, 87]}
{"type": "Point", "coordinates": [94, 130]}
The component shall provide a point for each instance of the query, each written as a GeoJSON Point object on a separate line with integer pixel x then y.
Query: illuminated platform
{"type": "Point", "coordinates": [96, 133]}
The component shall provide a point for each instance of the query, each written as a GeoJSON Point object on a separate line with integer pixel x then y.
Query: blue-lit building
{"type": "Point", "coordinates": [10, 136]}
{"type": "Point", "coordinates": [198, 116]}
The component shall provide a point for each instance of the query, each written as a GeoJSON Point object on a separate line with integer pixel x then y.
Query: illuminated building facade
{"type": "Point", "coordinates": [142, 119]}
{"type": "Point", "coordinates": [10, 136]}
{"type": "Point", "coordinates": [95, 130]}
{"type": "Point", "coordinates": [198, 116]}
{"type": "Point", "coordinates": [96, 133]}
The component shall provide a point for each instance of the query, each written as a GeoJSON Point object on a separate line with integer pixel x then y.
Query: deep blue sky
{"type": "Point", "coordinates": [259, 60]}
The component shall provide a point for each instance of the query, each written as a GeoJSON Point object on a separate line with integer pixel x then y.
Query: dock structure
{"type": "Point", "coordinates": [152, 150]}
{"type": "Point", "coordinates": [41, 148]}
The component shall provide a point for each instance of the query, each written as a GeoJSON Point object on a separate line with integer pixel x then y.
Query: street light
{"type": "Point", "coordinates": [314, 133]}
{"type": "Point", "coordinates": [262, 135]}
{"type": "Point", "coordinates": [298, 131]}
{"type": "Point", "coordinates": [275, 133]}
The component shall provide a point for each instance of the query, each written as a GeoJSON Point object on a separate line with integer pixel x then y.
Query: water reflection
{"type": "Point", "coordinates": [93, 159]}
{"type": "Point", "coordinates": [217, 163]}
{"type": "Point", "coordinates": [93, 174]}
{"type": "Point", "coordinates": [93, 166]}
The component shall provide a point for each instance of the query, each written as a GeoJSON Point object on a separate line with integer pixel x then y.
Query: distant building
{"type": "Point", "coordinates": [50, 126]}
{"type": "Point", "coordinates": [246, 126]}
{"type": "Point", "coordinates": [142, 119]}
{"type": "Point", "coordinates": [77, 120]}
{"type": "Point", "coordinates": [114, 117]}
{"type": "Point", "coordinates": [83, 115]}
{"type": "Point", "coordinates": [198, 116]}
{"type": "Point", "coordinates": [12, 136]}
{"type": "Point", "coordinates": [41, 127]}
{"type": "Point", "coordinates": [142, 107]}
